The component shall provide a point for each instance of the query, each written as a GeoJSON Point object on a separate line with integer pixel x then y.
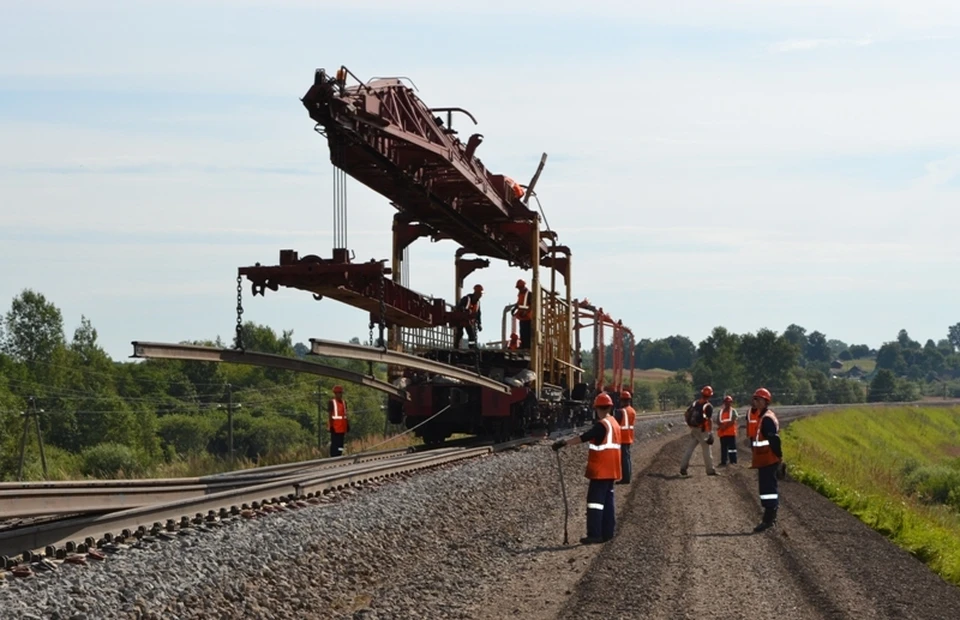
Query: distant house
{"type": "Point", "coordinates": [856, 373]}
{"type": "Point", "coordinates": [836, 364]}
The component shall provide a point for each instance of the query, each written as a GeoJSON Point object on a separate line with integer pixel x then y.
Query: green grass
{"type": "Point", "coordinates": [892, 469]}
{"type": "Point", "coordinates": [866, 364]}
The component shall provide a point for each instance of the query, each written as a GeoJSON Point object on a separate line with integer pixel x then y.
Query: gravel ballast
{"type": "Point", "coordinates": [435, 544]}
{"type": "Point", "coordinates": [483, 539]}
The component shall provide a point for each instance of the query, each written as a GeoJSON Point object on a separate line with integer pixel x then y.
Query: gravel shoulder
{"type": "Point", "coordinates": [686, 550]}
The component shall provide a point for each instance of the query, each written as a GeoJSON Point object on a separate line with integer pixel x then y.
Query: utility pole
{"type": "Point", "coordinates": [319, 416]}
{"type": "Point", "coordinates": [31, 412]}
{"type": "Point", "coordinates": [230, 422]}
{"type": "Point", "coordinates": [230, 408]}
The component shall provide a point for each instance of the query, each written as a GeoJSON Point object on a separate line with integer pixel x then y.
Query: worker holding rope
{"type": "Point", "coordinates": [603, 469]}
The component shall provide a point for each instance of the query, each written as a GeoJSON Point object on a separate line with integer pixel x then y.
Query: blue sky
{"type": "Point", "coordinates": [745, 163]}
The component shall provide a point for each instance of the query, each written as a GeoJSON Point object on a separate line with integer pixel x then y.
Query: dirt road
{"type": "Point", "coordinates": [685, 549]}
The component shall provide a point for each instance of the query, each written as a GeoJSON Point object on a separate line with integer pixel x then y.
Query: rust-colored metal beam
{"type": "Point", "coordinates": [370, 354]}
{"type": "Point", "coordinates": [189, 352]}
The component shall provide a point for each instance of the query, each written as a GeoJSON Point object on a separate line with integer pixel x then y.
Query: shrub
{"type": "Point", "coordinates": [187, 434]}
{"type": "Point", "coordinates": [109, 460]}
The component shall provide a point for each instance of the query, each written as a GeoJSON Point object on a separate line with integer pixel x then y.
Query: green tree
{"type": "Point", "coordinates": [883, 386]}
{"type": "Point", "coordinates": [718, 361]}
{"type": "Point", "coordinates": [817, 349]}
{"type": "Point", "coordinates": [33, 329]}
{"type": "Point", "coordinates": [796, 335]}
{"type": "Point", "coordinates": [837, 347]}
{"type": "Point", "coordinates": [767, 360]}
{"type": "Point", "coordinates": [890, 357]}
{"type": "Point", "coordinates": [859, 351]}
{"type": "Point", "coordinates": [953, 335]}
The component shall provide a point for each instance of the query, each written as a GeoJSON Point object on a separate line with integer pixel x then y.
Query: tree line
{"type": "Point", "coordinates": [799, 367]}
{"type": "Point", "coordinates": [100, 417]}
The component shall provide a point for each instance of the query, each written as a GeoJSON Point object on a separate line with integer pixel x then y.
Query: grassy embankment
{"type": "Point", "coordinates": [62, 465]}
{"type": "Point", "coordinates": [897, 470]}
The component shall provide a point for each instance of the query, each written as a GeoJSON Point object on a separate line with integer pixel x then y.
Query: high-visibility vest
{"type": "Point", "coordinates": [753, 421]}
{"type": "Point", "coordinates": [762, 452]}
{"type": "Point", "coordinates": [626, 427]}
{"type": "Point", "coordinates": [728, 426]}
{"type": "Point", "coordinates": [338, 416]}
{"type": "Point", "coordinates": [524, 312]}
{"type": "Point", "coordinates": [603, 461]}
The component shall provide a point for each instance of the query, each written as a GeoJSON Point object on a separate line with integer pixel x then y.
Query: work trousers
{"type": "Point", "coordinates": [769, 493]}
{"type": "Point", "coordinates": [728, 450]}
{"type": "Point", "coordinates": [336, 444]}
{"type": "Point", "coordinates": [601, 514]}
{"type": "Point", "coordinates": [471, 336]}
{"type": "Point", "coordinates": [524, 334]}
{"type": "Point", "coordinates": [697, 436]}
{"type": "Point", "coordinates": [626, 464]}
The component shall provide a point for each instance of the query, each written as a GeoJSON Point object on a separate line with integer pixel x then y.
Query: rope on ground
{"type": "Point", "coordinates": [413, 428]}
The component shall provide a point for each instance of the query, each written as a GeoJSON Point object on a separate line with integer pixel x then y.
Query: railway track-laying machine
{"type": "Point", "coordinates": [381, 134]}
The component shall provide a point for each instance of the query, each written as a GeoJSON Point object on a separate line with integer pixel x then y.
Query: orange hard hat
{"type": "Point", "coordinates": [763, 393]}
{"type": "Point", "coordinates": [625, 395]}
{"type": "Point", "coordinates": [521, 284]}
{"type": "Point", "coordinates": [477, 288]}
{"type": "Point", "coordinates": [728, 399]}
{"type": "Point", "coordinates": [707, 391]}
{"type": "Point", "coordinates": [603, 400]}
{"type": "Point", "coordinates": [337, 389]}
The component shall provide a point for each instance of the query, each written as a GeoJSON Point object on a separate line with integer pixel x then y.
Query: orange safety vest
{"type": "Point", "coordinates": [728, 426]}
{"type": "Point", "coordinates": [513, 185]}
{"type": "Point", "coordinates": [603, 461]}
{"type": "Point", "coordinates": [753, 423]}
{"type": "Point", "coordinates": [626, 429]}
{"type": "Point", "coordinates": [762, 452]}
{"type": "Point", "coordinates": [524, 312]}
{"type": "Point", "coordinates": [338, 416]}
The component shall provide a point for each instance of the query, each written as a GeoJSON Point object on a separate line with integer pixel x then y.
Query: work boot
{"type": "Point", "coordinates": [590, 540]}
{"type": "Point", "coordinates": [683, 472]}
{"type": "Point", "coordinates": [713, 472]}
{"type": "Point", "coordinates": [769, 520]}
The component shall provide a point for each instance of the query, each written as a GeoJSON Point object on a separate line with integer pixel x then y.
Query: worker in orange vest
{"type": "Point", "coordinates": [626, 416]}
{"type": "Point", "coordinates": [699, 418]}
{"type": "Point", "coordinates": [338, 424]}
{"type": "Point", "coordinates": [603, 469]}
{"type": "Point", "coordinates": [767, 458]}
{"type": "Point", "coordinates": [471, 305]}
{"type": "Point", "coordinates": [523, 310]}
{"type": "Point", "coordinates": [727, 432]}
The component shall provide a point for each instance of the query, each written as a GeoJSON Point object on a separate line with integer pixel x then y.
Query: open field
{"type": "Point", "coordinates": [866, 364]}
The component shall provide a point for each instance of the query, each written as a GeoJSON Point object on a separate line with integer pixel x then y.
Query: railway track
{"type": "Point", "coordinates": [282, 488]}
{"type": "Point", "coordinates": [61, 519]}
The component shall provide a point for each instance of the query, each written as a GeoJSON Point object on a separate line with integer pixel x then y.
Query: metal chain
{"type": "Point", "coordinates": [238, 340]}
{"type": "Point", "coordinates": [383, 309]}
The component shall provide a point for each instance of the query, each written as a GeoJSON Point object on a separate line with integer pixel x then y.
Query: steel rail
{"type": "Point", "coordinates": [189, 352]}
{"type": "Point", "coordinates": [370, 354]}
{"type": "Point", "coordinates": [57, 533]}
{"type": "Point", "coordinates": [18, 500]}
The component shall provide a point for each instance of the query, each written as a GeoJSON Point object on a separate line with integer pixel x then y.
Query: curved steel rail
{"type": "Point", "coordinates": [370, 354]}
{"type": "Point", "coordinates": [159, 350]}
{"type": "Point", "coordinates": [289, 489]}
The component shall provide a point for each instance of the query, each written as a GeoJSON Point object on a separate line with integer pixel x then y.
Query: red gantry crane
{"type": "Point", "coordinates": [381, 134]}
